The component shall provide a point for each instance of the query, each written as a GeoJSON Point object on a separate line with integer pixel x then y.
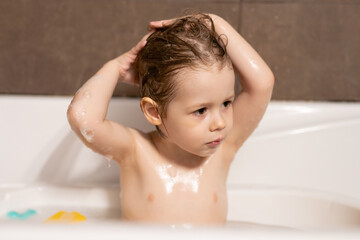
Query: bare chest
{"type": "Point", "coordinates": [165, 192]}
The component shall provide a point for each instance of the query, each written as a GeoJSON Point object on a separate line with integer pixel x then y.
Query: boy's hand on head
{"type": "Point", "coordinates": [126, 62]}
{"type": "Point", "coordinates": [153, 25]}
{"type": "Point", "coordinates": [160, 24]}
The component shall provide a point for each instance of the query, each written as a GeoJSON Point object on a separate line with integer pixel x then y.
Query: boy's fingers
{"type": "Point", "coordinates": [148, 34]}
{"type": "Point", "coordinates": [149, 28]}
{"type": "Point", "coordinates": [136, 49]}
{"type": "Point", "coordinates": [155, 24]}
{"type": "Point", "coordinates": [161, 23]}
{"type": "Point", "coordinates": [141, 43]}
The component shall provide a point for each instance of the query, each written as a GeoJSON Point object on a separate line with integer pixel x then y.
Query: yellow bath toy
{"type": "Point", "coordinates": [66, 217]}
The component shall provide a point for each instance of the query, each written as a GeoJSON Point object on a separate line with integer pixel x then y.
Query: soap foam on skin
{"type": "Point", "coordinates": [172, 177]}
{"type": "Point", "coordinates": [79, 105]}
{"type": "Point", "coordinates": [88, 134]}
{"type": "Point", "coordinates": [80, 114]}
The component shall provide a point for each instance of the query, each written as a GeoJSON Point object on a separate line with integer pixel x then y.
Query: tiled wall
{"type": "Point", "coordinates": [52, 47]}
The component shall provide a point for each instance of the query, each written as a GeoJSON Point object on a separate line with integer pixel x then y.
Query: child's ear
{"type": "Point", "coordinates": [150, 110]}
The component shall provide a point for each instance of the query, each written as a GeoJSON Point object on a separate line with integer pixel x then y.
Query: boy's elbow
{"type": "Point", "coordinates": [270, 81]}
{"type": "Point", "coordinates": [79, 119]}
{"type": "Point", "coordinates": [75, 117]}
{"type": "Point", "coordinates": [267, 83]}
{"type": "Point", "coordinates": [71, 117]}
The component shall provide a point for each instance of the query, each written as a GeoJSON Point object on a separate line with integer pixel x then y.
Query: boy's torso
{"type": "Point", "coordinates": [157, 190]}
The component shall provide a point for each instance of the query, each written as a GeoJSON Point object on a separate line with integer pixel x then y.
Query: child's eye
{"type": "Point", "coordinates": [201, 111]}
{"type": "Point", "coordinates": [226, 104]}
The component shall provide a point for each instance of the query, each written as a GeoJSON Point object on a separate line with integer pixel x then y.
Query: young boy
{"type": "Point", "coordinates": [185, 68]}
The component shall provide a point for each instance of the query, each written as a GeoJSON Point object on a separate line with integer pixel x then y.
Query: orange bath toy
{"type": "Point", "coordinates": [66, 217]}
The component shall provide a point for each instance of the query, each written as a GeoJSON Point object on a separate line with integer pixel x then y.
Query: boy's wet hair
{"type": "Point", "coordinates": [189, 42]}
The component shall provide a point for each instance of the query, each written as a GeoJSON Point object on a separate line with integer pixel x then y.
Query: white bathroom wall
{"type": "Point", "coordinates": [300, 145]}
{"type": "Point", "coordinates": [38, 145]}
{"type": "Point", "coordinates": [308, 145]}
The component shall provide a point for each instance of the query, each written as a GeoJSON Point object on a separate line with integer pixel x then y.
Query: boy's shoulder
{"type": "Point", "coordinates": [139, 134]}
{"type": "Point", "coordinates": [142, 138]}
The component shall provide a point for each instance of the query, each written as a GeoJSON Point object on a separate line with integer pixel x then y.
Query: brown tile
{"type": "Point", "coordinates": [304, 1]}
{"type": "Point", "coordinates": [312, 48]}
{"type": "Point", "coordinates": [52, 47]}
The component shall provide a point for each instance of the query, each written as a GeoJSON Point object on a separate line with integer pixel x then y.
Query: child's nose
{"type": "Point", "coordinates": [218, 123]}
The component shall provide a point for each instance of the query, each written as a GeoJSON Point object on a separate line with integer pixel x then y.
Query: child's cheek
{"type": "Point", "coordinates": [229, 119]}
{"type": "Point", "coordinates": [230, 123]}
{"type": "Point", "coordinates": [184, 135]}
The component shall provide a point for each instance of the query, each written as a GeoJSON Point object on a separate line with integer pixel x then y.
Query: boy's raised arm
{"type": "Point", "coordinates": [87, 111]}
{"type": "Point", "coordinates": [257, 82]}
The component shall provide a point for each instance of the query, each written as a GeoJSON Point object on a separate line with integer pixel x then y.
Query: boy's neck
{"type": "Point", "coordinates": [174, 153]}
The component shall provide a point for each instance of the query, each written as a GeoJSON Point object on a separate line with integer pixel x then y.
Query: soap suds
{"type": "Point", "coordinates": [79, 105]}
{"type": "Point", "coordinates": [88, 134]}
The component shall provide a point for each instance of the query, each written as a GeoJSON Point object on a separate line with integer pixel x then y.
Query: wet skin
{"type": "Point", "coordinates": [182, 177]}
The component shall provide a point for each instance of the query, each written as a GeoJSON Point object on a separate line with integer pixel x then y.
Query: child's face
{"type": "Point", "coordinates": [201, 112]}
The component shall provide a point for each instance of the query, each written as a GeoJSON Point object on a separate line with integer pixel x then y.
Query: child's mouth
{"type": "Point", "coordinates": [214, 143]}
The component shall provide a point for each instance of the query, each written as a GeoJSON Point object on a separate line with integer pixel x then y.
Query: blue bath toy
{"type": "Point", "coordinates": [12, 214]}
{"type": "Point", "coordinates": [22, 216]}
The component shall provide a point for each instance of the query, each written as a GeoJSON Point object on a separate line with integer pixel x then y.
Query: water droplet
{"type": "Point", "coordinates": [87, 94]}
{"type": "Point", "coordinates": [109, 158]}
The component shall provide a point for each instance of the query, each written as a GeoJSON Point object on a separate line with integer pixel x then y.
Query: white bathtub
{"type": "Point", "coordinates": [297, 175]}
